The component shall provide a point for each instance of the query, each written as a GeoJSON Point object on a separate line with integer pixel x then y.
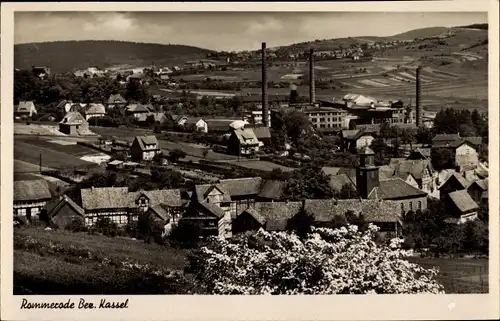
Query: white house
{"type": "Point", "coordinates": [466, 155]}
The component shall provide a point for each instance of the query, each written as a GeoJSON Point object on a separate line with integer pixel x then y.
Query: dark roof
{"type": "Point", "coordinates": [202, 190]}
{"type": "Point", "coordinates": [252, 212]}
{"type": "Point", "coordinates": [349, 171]}
{"type": "Point", "coordinates": [31, 190]}
{"type": "Point", "coordinates": [272, 189]}
{"type": "Point", "coordinates": [117, 98]}
{"type": "Point", "coordinates": [463, 201]}
{"type": "Point", "coordinates": [461, 180]}
{"type": "Point", "coordinates": [73, 118]}
{"type": "Point", "coordinates": [420, 153]}
{"type": "Point", "coordinates": [212, 208]}
{"type": "Point", "coordinates": [169, 197]}
{"type": "Point", "coordinates": [161, 211]}
{"type": "Point", "coordinates": [482, 184]}
{"type": "Point", "coordinates": [54, 205]}
{"type": "Point", "coordinates": [105, 198]}
{"type": "Point", "coordinates": [395, 188]}
{"type": "Point", "coordinates": [262, 132]}
{"type": "Point", "coordinates": [241, 186]}
{"type": "Point", "coordinates": [147, 140]}
{"type": "Point", "coordinates": [445, 138]}
{"type": "Point", "coordinates": [277, 214]}
{"type": "Point", "coordinates": [474, 140]}
{"type": "Point", "coordinates": [415, 167]}
{"type": "Point", "coordinates": [324, 210]}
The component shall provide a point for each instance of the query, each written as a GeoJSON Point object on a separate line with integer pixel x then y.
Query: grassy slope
{"type": "Point", "coordinates": [63, 56]}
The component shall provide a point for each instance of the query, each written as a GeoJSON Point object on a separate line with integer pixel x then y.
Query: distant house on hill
{"type": "Point", "coordinates": [73, 123]}
{"type": "Point", "coordinates": [116, 100]}
{"type": "Point", "coordinates": [94, 110]}
{"type": "Point", "coordinates": [198, 123]}
{"type": "Point", "coordinates": [25, 110]}
{"type": "Point", "coordinates": [41, 72]}
{"type": "Point", "coordinates": [30, 197]}
{"type": "Point", "coordinates": [464, 148]}
{"type": "Point", "coordinates": [158, 117]}
{"type": "Point", "coordinates": [144, 148]}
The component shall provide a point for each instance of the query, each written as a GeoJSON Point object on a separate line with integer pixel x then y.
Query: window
{"type": "Point", "coordinates": [419, 205]}
{"type": "Point", "coordinates": [21, 212]}
{"type": "Point", "coordinates": [403, 208]}
{"type": "Point", "coordinates": [411, 206]}
{"type": "Point", "coordinates": [35, 211]}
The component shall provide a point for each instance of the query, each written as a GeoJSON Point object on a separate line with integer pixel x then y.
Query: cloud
{"type": "Point", "coordinates": [116, 22]}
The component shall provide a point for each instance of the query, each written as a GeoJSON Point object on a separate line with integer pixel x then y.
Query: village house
{"type": "Point", "coordinates": [421, 170]}
{"type": "Point", "coordinates": [94, 110]}
{"type": "Point", "coordinates": [460, 207]}
{"type": "Point", "coordinates": [158, 117]}
{"type": "Point", "coordinates": [65, 105]}
{"type": "Point", "coordinates": [263, 135]}
{"type": "Point", "coordinates": [144, 148]}
{"type": "Point", "coordinates": [63, 210]}
{"type": "Point", "coordinates": [464, 148]}
{"type": "Point", "coordinates": [199, 124]}
{"type": "Point", "coordinates": [30, 197]}
{"type": "Point", "coordinates": [242, 141]}
{"type": "Point", "coordinates": [477, 189]}
{"type": "Point", "coordinates": [355, 139]}
{"type": "Point", "coordinates": [137, 110]}
{"type": "Point", "coordinates": [370, 186]}
{"type": "Point", "coordinates": [454, 182]}
{"type": "Point", "coordinates": [24, 110]}
{"type": "Point", "coordinates": [121, 206]}
{"type": "Point", "coordinates": [73, 123]}
{"type": "Point", "coordinates": [387, 172]}
{"type": "Point", "coordinates": [116, 100]}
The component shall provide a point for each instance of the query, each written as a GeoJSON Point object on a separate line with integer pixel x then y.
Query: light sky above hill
{"type": "Point", "coordinates": [225, 31]}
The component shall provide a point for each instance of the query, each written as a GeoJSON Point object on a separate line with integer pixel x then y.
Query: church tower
{"type": "Point", "coordinates": [367, 175]}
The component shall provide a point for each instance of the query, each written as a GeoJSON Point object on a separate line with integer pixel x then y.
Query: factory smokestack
{"type": "Point", "coordinates": [312, 85]}
{"type": "Point", "coordinates": [265, 111]}
{"type": "Point", "coordinates": [418, 108]}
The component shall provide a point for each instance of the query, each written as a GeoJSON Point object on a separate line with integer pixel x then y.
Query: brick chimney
{"type": "Point", "coordinates": [418, 108]}
{"type": "Point", "coordinates": [312, 85]}
{"type": "Point", "coordinates": [265, 107]}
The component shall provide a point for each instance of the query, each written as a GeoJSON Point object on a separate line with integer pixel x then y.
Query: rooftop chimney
{"type": "Point", "coordinates": [418, 108]}
{"type": "Point", "coordinates": [312, 85]}
{"type": "Point", "coordinates": [265, 112]}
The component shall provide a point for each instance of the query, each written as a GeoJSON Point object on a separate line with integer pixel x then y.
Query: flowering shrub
{"type": "Point", "coordinates": [327, 261]}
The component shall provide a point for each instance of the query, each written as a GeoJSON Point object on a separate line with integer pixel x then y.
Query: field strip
{"type": "Point", "coordinates": [352, 85]}
{"type": "Point", "coordinates": [62, 142]}
{"type": "Point", "coordinates": [373, 83]}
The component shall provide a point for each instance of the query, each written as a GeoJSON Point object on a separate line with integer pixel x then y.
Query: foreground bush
{"type": "Point", "coordinates": [327, 261]}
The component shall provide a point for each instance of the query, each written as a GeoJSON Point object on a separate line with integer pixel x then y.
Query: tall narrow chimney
{"type": "Point", "coordinates": [265, 111]}
{"type": "Point", "coordinates": [418, 108]}
{"type": "Point", "coordinates": [312, 85]}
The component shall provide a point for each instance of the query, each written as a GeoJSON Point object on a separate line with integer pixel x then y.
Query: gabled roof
{"type": "Point", "coordinates": [169, 197]}
{"type": "Point", "coordinates": [459, 178]}
{"type": "Point", "coordinates": [246, 136]}
{"type": "Point", "coordinates": [212, 208]}
{"type": "Point", "coordinates": [241, 186]}
{"type": "Point", "coordinates": [474, 140]}
{"type": "Point", "coordinates": [349, 171]}
{"type": "Point", "coordinates": [106, 198]}
{"type": "Point", "coordinates": [277, 214]}
{"type": "Point", "coordinates": [482, 184]}
{"type": "Point", "coordinates": [147, 140]}
{"type": "Point", "coordinates": [139, 108]}
{"type": "Point", "coordinates": [161, 211]}
{"type": "Point", "coordinates": [201, 192]}
{"type": "Point", "coordinates": [55, 205]}
{"type": "Point", "coordinates": [24, 107]}
{"type": "Point", "coordinates": [376, 211]}
{"type": "Point", "coordinates": [272, 189]}
{"type": "Point", "coordinates": [159, 117]}
{"type": "Point", "coordinates": [252, 212]}
{"type": "Point", "coordinates": [116, 98]}
{"type": "Point", "coordinates": [31, 190]}
{"type": "Point", "coordinates": [463, 201]}
{"type": "Point", "coordinates": [95, 109]}
{"type": "Point", "coordinates": [395, 188]}
{"type": "Point", "coordinates": [262, 132]}
{"type": "Point", "coordinates": [73, 118]}
{"type": "Point", "coordinates": [415, 167]}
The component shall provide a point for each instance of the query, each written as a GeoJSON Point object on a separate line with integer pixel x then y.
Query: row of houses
{"type": "Point", "coordinates": [237, 205]}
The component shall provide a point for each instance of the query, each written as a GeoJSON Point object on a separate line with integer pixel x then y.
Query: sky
{"type": "Point", "coordinates": [226, 31]}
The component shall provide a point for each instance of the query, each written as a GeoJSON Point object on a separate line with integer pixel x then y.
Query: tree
{"type": "Point", "coordinates": [186, 234]}
{"type": "Point", "coordinates": [294, 96]}
{"type": "Point", "coordinates": [407, 136]}
{"type": "Point", "coordinates": [308, 183]}
{"type": "Point", "coordinates": [341, 261]}
{"type": "Point", "coordinates": [301, 224]}
{"type": "Point", "coordinates": [176, 154]}
{"type": "Point", "coordinates": [442, 158]}
{"type": "Point", "coordinates": [423, 135]}
{"type": "Point", "coordinates": [166, 178]}
{"type": "Point", "coordinates": [347, 191]}
{"type": "Point", "coordinates": [205, 153]}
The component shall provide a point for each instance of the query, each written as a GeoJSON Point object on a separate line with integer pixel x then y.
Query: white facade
{"type": "Point", "coordinates": [466, 156]}
{"type": "Point", "coordinates": [364, 141]}
{"type": "Point", "coordinates": [202, 126]}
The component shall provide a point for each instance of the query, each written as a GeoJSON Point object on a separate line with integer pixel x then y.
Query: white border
{"type": "Point", "coordinates": [387, 307]}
